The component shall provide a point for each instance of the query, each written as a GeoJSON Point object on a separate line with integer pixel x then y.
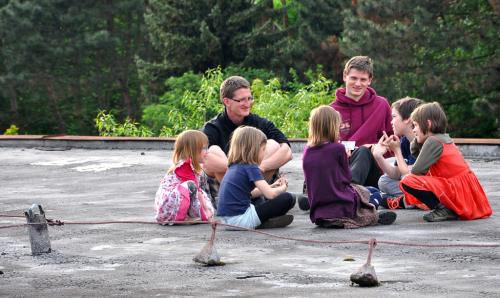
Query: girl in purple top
{"type": "Point", "coordinates": [334, 201]}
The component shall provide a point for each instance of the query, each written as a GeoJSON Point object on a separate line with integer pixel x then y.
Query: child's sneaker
{"type": "Point", "coordinates": [304, 203]}
{"type": "Point", "coordinates": [386, 217]}
{"type": "Point", "coordinates": [441, 214]}
{"type": "Point", "coordinates": [277, 222]}
{"type": "Point", "coordinates": [393, 203]}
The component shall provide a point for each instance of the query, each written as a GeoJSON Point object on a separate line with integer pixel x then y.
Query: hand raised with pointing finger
{"type": "Point", "coordinates": [380, 149]}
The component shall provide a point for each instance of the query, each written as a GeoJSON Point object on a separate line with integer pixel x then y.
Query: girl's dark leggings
{"type": "Point", "coordinates": [424, 196]}
{"type": "Point", "coordinates": [275, 207]}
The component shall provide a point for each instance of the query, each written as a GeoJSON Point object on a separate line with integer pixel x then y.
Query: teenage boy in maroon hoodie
{"type": "Point", "coordinates": [365, 117]}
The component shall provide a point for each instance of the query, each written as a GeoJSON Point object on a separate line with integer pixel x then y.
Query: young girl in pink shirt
{"type": "Point", "coordinates": [179, 194]}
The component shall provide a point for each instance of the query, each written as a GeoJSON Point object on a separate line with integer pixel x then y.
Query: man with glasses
{"type": "Point", "coordinates": [237, 98]}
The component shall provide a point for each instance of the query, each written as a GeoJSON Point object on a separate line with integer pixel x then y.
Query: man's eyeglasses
{"type": "Point", "coordinates": [250, 99]}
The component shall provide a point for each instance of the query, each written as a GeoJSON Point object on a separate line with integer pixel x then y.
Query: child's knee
{"type": "Point", "coordinates": [291, 200]}
{"type": "Point", "coordinates": [363, 150]}
{"type": "Point", "coordinates": [271, 147]}
{"type": "Point", "coordinates": [387, 184]}
{"type": "Point", "coordinates": [362, 154]}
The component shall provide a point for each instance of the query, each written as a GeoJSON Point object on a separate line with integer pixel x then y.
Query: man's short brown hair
{"type": "Point", "coordinates": [405, 106]}
{"type": "Point", "coordinates": [230, 85]}
{"type": "Point", "coordinates": [361, 63]}
{"type": "Point", "coordinates": [433, 112]}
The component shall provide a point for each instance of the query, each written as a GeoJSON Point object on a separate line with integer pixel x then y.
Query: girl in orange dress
{"type": "Point", "coordinates": [441, 178]}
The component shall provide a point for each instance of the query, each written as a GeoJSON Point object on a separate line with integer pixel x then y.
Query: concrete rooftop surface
{"type": "Point", "coordinates": [150, 260]}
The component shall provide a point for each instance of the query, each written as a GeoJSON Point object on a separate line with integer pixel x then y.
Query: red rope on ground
{"type": "Point", "coordinates": [362, 241]}
{"type": "Point", "coordinates": [373, 243]}
{"type": "Point", "coordinates": [215, 223]}
{"type": "Point", "coordinates": [214, 229]}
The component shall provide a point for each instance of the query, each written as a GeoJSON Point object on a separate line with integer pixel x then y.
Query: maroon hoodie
{"type": "Point", "coordinates": [363, 121]}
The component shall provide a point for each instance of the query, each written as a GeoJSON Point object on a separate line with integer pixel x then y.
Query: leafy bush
{"type": "Point", "coordinates": [289, 110]}
{"type": "Point", "coordinates": [108, 127]}
{"type": "Point", "coordinates": [176, 87]}
{"type": "Point", "coordinates": [12, 131]}
{"type": "Point", "coordinates": [170, 115]}
{"type": "Point", "coordinates": [288, 107]}
{"type": "Point", "coordinates": [196, 107]}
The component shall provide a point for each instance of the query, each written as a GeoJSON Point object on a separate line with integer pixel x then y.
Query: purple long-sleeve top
{"type": "Point", "coordinates": [328, 178]}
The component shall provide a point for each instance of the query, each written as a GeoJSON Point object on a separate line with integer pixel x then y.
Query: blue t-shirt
{"type": "Point", "coordinates": [405, 151]}
{"type": "Point", "coordinates": [236, 187]}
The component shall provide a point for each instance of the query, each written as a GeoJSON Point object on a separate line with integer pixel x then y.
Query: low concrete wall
{"type": "Point", "coordinates": [480, 151]}
{"type": "Point", "coordinates": [470, 148]}
{"type": "Point", "coordinates": [86, 142]}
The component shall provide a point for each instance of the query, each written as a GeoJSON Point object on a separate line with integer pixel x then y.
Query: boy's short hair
{"type": "Point", "coordinates": [430, 111]}
{"type": "Point", "coordinates": [361, 63]}
{"type": "Point", "coordinates": [230, 85]}
{"type": "Point", "coordinates": [405, 106]}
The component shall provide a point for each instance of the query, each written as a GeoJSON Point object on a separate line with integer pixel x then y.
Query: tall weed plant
{"type": "Point", "coordinates": [107, 127]}
{"type": "Point", "coordinates": [179, 106]}
{"type": "Point", "coordinates": [288, 108]}
{"type": "Point", "coordinates": [196, 107]}
{"type": "Point", "coordinates": [12, 130]}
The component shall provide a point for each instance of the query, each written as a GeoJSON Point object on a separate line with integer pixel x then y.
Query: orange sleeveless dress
{"type": "Point", "coordinates": [453, 183]}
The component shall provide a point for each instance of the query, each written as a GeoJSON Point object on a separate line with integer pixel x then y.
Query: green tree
{"type": "Point", "coordinates": [199, 35]}
{"type": "Point", "coordinates": [62, 61]}
{"type": "Point", "coordinates": [321, 27]}
{"type": "Point", "coordinates": [36, 36]}
{"type": "Point", "coordinates": [115, 35]}
{"type": "Point", "coordinates": [445, 51]}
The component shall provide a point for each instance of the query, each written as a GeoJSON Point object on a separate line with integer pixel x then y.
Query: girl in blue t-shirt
{"type": "Point", "coordinates": [244, 181]}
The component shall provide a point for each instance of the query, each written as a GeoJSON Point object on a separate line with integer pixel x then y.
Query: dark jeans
{"type": "Point", "coordinates": [364, 168]}
{"type": "Point", "coordinates": [424, 196]}
{"type": "Point", "coordinates": [275, 207]}
{"type": "Point", "coordinates": [259, 200]}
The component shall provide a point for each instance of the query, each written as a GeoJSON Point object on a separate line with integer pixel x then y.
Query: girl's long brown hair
{"type": "Point", "coordinates": [430, 111]}
{"type": "Point", "coordinates": [245, 145]}
{"type": "Point", "coordinates": [324, 126]}
{"type": "Point", "coordinates": [188, 145]}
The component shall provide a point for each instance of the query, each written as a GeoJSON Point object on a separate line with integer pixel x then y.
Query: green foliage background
{"type": "Point", "coordinates": [65, 63]}
{"type": "Point", "coordinates": [445, 51]}
{"type": "Point", "coordinates": [289, 110]}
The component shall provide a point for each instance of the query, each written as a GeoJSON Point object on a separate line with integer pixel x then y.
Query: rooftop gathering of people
{"type": "Point", "coordinates": [230, 167]}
